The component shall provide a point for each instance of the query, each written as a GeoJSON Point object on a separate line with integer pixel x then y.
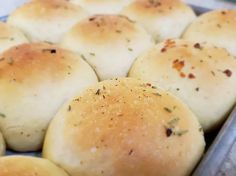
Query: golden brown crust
{"type": "Point", "coordinates": [35, 60]}
{"type": "Point", "coordinates": [125, 127]}
{"type": "Point", "coordinates": [198, 73]}
{"type": "Point", "coordinates": [157, 8]}
{"type": "Point", "coordinates": [104, 28]}
{"type": "Point", "coordinates": [28, 166]}
{"type": "Point", "coordinates": [215, 27]}
{"type": "Point", "coordinates": [36, 79]}
{"type": "Point", "coordinates": [163, 19]}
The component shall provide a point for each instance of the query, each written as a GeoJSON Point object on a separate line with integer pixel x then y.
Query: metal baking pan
{"type": "Point", "coordinates": [220, 156]}
{"type": "Point", "coordinates": [3, 18]}
{"type": "Point", "coordinates": [220, 159]}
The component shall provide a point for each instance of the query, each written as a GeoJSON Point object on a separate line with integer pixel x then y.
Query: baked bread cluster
{"type": "Point", "coordinates": [53, 53]}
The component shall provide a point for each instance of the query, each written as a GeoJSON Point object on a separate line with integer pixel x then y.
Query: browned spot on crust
{"type": "Point", "coordinates": [169, 132]}
{"type": "Point", "coordinates": [178, 65]}
{"type": "Point", "coordinates": [170, 43]}
{"type": "Point", "coordinates": [152, 4]}
{"type": "Point", "coordinates": [191, 76]}
{"type": "Point", "coordinates": [163, 50]}
{"type": "Point", "coordinates": [197, 46]}
{"type": "Point", "coordinates": [228, 72]}
{"type": "Point", "coordinates": [223, 12]}
{"type": "Point", "coordinates": [182, 75]}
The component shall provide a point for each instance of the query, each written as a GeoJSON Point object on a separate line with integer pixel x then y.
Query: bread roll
{"type": "Point", "coordinates": [2, 143]}
{"type": "Point", "coordinates": [102, 6]}
{"type": "Point", "coordinates": [215, 27]}
{"type": "Point", "coordinates": [203, 76]}
{"type": "Point", "coordinates": [36, 79]}
{"type": "Point", "coordinates": [163, 19]}
{"type": "Point", "coordinates": [125, 127]}
{"type": "Point", "coordinates": [46, 21]}
{"type": "Point", "coordinates": [109, 43]}
{"type": "Point", "coordinates": [28, 166]}
{"type": "Point", "coordinates": [10, 36]}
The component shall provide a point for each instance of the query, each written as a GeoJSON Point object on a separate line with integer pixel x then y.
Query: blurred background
{"type": "Point", "coordinates": [7, 6]}
{"type": "Point", "coordinates": [213, 4]}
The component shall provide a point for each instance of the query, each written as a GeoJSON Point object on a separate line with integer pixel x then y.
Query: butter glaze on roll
{"type": "Point", "coordinates": [28, 166]}
{"type": "Point", "coordinates": [109, 43]}
{"type": "Point", "coordinates": [202, 75]}
{"type": "Point", "coordinates": [215, 27]}
{"type": "Point", "coordinates": [10, 36]}
{"type": "Point", "coordinates": [46, 21]}
{"type": "Point", "coordinates": [125, 127]}
{"type": "Point", "coordinates": [163, 19]}
{"type": "Point", "coordinates": [36, 79]}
